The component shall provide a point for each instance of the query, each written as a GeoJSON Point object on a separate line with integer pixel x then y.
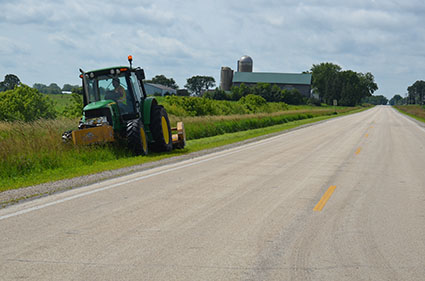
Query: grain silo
{"type": "Point", "coordinates": [245, 64]}
{"type": "Point", "coordinates": [226, 77]}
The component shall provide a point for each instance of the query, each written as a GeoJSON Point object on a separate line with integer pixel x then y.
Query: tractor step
{"type": "Point", "coordinates": [179, 138]}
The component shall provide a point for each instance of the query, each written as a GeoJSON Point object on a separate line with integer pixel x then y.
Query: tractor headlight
{"type": "Point", "coordinates": [98, 121]}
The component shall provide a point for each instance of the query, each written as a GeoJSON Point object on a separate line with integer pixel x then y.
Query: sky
{"type": "Point", "coordinates": [49, 41]}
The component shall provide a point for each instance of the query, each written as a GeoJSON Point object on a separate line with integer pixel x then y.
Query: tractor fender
{"type": "Point", "coordinates": [147, 106]}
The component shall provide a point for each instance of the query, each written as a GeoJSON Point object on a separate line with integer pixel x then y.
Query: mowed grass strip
{"type": "Point", "coordinates": [33, 153]}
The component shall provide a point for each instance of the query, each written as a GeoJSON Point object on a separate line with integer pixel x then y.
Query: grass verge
{"type": "Point", "coordinates": [415, 111]}
{"type": "Point", "coordinates": [113, 158]}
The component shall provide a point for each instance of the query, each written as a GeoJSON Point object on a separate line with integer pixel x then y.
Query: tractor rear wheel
{"type": "Point", "coordinates": [160, 129]}
{"type": "Point", "coordinates": [136, 137]}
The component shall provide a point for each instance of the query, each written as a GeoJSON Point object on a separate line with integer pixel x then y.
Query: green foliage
{"type": "Point", "coordinates": [198, 84]}
{"type": "Point", "coordinates": [217, 94]}
{"type": "Point", "coordinates": [253, 103]}
{"type": "Point", "coordinates": [239, 92]}
{"type": "Point", "coordinates": [375, 100]}
{"type": "Point", "coordinates": [325, 80]}
{"type": "Point", "coordinates": [32, 152]}
{"type": "Point", "coordinates": [397, 100]}
{"type": "Point", "coordinates": [26, 104]}
{"type": "Point", "coordinates": [183, 93]}
{"type": "Point", "coordinates": [201, 127]}
{"type": "Point", "coordinates": [162, 80]}
{"type": "Point", "coordinates": [293, 97]}
{"type": "Point", "coordinates": [9, 83]}
{"type": "Point", "coordinates": [53, 88]}
{"type": "Point", "coordinates": [347, 87]}
{"type": "Point", "coordinates": [75, 107]}
{"type": "Point", "coordinates": [271, 93]}
{"type": "Point", "coordinates": [194, 106]}
{"type": "Point", "coordinates": [70, 88]}
{"type": "Point", "coordinates": [416, 93]}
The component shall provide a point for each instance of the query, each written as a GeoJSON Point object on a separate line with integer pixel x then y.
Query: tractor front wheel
{"type": "Point", "coordinates": [160, 128]}
{"type": "Point", "coordinates": [136, 137]}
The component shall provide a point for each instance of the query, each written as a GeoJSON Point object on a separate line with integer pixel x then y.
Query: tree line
{"type": "Point", "coordinates": [415, 95]}
{"type": "Point", "coordinates": [347, 87]}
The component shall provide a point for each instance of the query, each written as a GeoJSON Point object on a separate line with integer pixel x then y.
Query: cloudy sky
{"type": "Point", "coordinates": [48, 41]}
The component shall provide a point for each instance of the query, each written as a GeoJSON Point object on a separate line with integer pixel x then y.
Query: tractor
{"type": "Point", "coordinates": [116, 107]}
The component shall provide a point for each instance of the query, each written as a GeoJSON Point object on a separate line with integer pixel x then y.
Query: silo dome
{"type": "Point", "coordinates": [245, 64]}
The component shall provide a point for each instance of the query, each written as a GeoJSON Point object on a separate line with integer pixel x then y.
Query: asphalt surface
{"type": "Point", "coordinates": [341, 200]}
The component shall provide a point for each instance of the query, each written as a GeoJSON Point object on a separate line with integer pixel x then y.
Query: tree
{"type": "Point", "coordinates": [368, 83]}
{"type": "Point", "coordinates": [53, 88]}
{"type": "Point", "coordinates": [26, 104]}
{"type": "Point", "coordinates": [239, 92]}
{"type": "Point", "coordinates": [325, 81]}
{"type": "Point", "coordinates": [416, 92]}
{"type": "Point", "coordinates": [9, 83]}
{"type": "Point", "coordinates": [162, 80]}
{"type": "Point", "coordinates": [396, 100]}
{"type": "Point", "coordinates": [199, 84]}
{"type": "Point", "coordinates": [375, 100]}
{"type": "Point", "coordinates": [293, 97]}
{"type": "Point", "coordinates": [69, 88]}
{"type": "Point", "coordinates": [40, 87]}
{"type": "Point", "coordinates": [75, 108]}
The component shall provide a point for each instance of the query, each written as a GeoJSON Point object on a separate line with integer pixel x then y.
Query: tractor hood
{"type": "Point", "coordinates": [98, 104]}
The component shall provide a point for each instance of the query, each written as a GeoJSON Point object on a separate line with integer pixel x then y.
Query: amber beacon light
{"type": "Point", "coordinates": [130, 60]}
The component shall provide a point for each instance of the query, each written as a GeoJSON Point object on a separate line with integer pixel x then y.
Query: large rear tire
{"type": "Point", "coordinates": [160, 129]}
{"type": "Point", "coordinates": [136, 137]}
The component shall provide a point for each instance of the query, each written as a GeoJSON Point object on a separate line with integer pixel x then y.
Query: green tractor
{"type": "Point", "coordinates": [116, 107]}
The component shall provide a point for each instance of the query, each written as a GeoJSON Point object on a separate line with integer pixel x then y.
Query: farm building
{"type": "Point", "coordinates": [152, 89]}
{"type": "Point", "coordinates": [301, 82]}
{"type": "Point", "coordinates": [229, 78]}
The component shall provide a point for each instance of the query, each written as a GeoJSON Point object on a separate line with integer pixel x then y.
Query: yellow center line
{"type": "Point", "coordinates": [325, 198]}
{"type": "Point", "coordinates": [366, 135]}
{"type": "Point", "coordinates": [358, 150]}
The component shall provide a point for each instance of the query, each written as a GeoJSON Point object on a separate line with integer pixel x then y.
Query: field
{"type": "Point", "coordinates": [60, 101]}
{"type": "Point", "coordinates": [416, 111]}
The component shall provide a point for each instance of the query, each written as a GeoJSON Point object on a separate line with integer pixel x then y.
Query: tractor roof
{"type": "Point", "coordinates": [105, 71]}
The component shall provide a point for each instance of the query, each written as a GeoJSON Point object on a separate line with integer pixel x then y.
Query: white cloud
{"type": "Point", "coordinates": [52, 39]}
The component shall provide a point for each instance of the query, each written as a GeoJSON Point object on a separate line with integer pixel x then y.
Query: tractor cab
{"type": "Point", "coordinates": [120, 85]}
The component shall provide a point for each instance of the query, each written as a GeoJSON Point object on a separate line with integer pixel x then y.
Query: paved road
{"type": "Point", "coordinates": [341, 200]}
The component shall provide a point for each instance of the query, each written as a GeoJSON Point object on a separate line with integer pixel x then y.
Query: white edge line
{"type": "Point", "coordinates": [239, 149]}
{"type": "Point", "coordinates": [28, 210]}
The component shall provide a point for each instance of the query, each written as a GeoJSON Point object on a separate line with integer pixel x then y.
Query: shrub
{"type": "Point", "coordinates": [75, 108]}
{"type": "Point", "coordinates": [25, 104]}
{"type": "Point", "coordinates": [217, 94]}
{"type": "Point", "coordinates": [253, 102]}
{"type": "Point", "coordinates": [293, 97]}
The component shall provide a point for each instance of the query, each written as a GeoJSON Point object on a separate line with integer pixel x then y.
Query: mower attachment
{"type": "Point", "coordinates": [179, 139]}
{"type": "Point", "coordinates": [93, 135]}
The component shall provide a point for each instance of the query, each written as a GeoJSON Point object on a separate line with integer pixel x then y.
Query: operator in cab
{"type": "Point", "coordinates": [119, 91]}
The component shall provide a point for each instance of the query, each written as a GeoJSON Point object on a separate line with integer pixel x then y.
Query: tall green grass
{"type": "Point", "coordinates": [30, 151]}
{"type": "Point", "coordinates": [27, 149]}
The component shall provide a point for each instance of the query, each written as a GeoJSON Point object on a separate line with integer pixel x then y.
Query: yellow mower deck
{"type": "Point", "coordinates": [179, 139]}
{"type": "Point", "coordinates": [93, 135]}
{"type": "Point", "coordinates": [105, 133]}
